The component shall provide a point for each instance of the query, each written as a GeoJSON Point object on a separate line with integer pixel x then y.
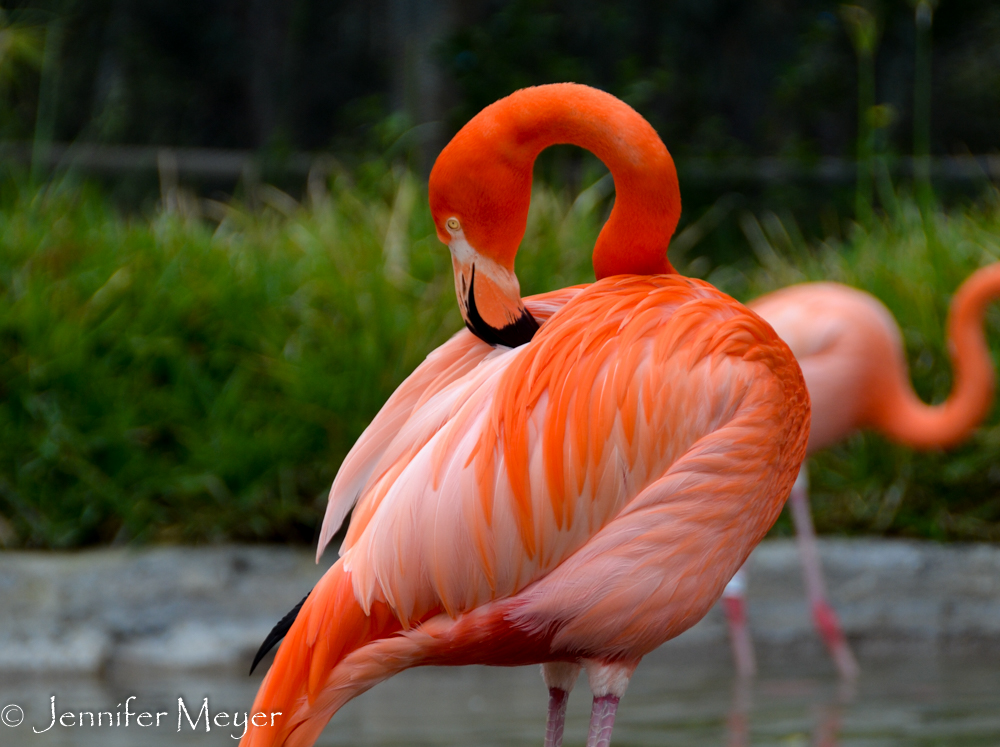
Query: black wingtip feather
{"type": "Point", "coordinates": [278, 632]}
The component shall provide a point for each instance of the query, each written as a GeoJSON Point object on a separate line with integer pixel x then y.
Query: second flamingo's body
{"type": "Point", "coordinates": [851, 353]}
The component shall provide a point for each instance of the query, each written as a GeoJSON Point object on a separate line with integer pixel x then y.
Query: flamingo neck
{"type": "Point", "coordinates": [500, 146]}
{"type": "Point", "coordinates": [908, 420]}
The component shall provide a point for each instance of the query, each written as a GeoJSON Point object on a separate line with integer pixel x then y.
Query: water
{"type": "Point", "coordinates": [679, 696]}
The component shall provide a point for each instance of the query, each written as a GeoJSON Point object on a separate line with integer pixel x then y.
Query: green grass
{"type": "Point", "coordinates": [198, 374]}
{"type": "Point", "coordinates": [170, 379]}
{"type": "Point", "coordinates": [180, 378]}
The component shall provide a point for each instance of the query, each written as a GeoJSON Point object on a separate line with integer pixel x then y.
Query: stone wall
{"type": "Point", "coordinates": [189, 608]}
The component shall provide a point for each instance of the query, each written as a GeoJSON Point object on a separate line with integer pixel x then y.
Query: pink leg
{"type": "Point", "coordinates": [558, 699]}
{"type": "Point", "coordinates": [734, 602]}
{"type": "Point", "coordinates": [823, 614]}
{"type": "Point", "coordinates": [559, 677]}
{"type": "Point", "coordinates": [602, 720]}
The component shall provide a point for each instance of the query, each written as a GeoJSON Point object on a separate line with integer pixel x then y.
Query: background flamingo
{"type": "Point", "coordinates": [573, 501]}
{"type": "Point", "coordinates": [851, 353]}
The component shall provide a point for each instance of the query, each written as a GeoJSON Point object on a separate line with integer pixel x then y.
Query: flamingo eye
{"type": "Point", "coordinates": [453, 224]}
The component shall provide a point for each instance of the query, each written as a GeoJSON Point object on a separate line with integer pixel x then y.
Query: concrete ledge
{"type": "Point", "coordinates": [187, 608]}
{"type": "Point", "coordinates": [172, 608]}
{"type": "Point", "coordinates": [887, 593]}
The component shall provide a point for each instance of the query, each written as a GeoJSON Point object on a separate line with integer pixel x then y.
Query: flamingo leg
{"type": "Point", "coordinates": [824, 615]}
{"type": "Point", "coordinates": [734, 602]}
{"type": "Point", "coordinates": [602, 720]}
{"type": "Point", "coordinates": [560, 676]}
{"type": "Point", "coordinates": [556, 721]}
{"type": "Point", "coordinates": [608, 683]}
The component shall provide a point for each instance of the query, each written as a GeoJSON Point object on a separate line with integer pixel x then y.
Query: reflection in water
{"type": "Point", "coordinates": [828, 714]}
{"type": "Point", "coordinates": [680, 696]}
{"type": "Point", "coordinates": [738, 721]}
{"type": "Point", "coordinates": [828, 725]}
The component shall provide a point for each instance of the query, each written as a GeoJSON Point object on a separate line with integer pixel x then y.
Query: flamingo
{"type": "Point", "coordinates": [851, 353]}
{"type": "Point", "coordinates": [573, 479]}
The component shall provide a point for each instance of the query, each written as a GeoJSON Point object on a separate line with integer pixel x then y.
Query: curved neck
{"type": "Point", "coordinates": [647, 197]}
{"type": "Point", "coordinates": [499, 147]}
{"type": "Point", "coordinates": [906, 419]}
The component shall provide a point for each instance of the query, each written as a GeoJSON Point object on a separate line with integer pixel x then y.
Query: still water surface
{"type": "Point", "coordinates": [678, 697]}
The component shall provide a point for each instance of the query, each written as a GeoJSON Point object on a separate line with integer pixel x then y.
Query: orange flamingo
{"type": "Point", "coordinates": [851, 353]}
{"type": "Point", "coordinates": [571, 482]}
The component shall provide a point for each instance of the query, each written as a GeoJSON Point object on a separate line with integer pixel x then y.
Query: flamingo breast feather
{"type": "Point", "coordinates": [499, 474]}
{"type": "Point", "coordinates": [445, 365]}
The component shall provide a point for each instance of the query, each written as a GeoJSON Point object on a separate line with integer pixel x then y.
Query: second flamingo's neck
{"type": "Point", "coordinates": [905, 418]}
{"type": "Point", "coordinates": [501, 144]}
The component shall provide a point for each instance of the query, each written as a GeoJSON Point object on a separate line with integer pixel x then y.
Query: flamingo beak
{"type": "Point", "coordinates": [490, 299]}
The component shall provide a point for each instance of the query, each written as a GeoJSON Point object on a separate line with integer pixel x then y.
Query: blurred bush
{"type": "Point", "coordinates": [21, 49]}
{"type": "Point", "coordinates": [198, 374]}
{"type": "Point", "coordinates": [186, 378]}
{"type": "Point", "coordinates": [174, 379]}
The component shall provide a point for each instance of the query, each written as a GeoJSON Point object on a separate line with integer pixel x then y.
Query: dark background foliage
{"type": "Point", "coordinates": [716, 77]}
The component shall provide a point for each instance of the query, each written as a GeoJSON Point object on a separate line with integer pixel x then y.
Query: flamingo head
{"type": "Point", "coordinates": [480, 208]}
{"type": "Point", "coordinates": [480, 190]}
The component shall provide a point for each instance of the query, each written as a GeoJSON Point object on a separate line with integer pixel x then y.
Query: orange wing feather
{"type": "Point", "coordinates": [637, 411]}
{"type": "Point", "coordinates": [445, 365]}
